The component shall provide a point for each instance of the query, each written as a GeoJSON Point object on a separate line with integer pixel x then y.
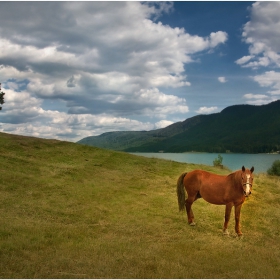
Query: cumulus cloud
{"type": "Point", "coordinates": [207, 110]}
{"type": "Point", "coordinates": [155, 102]}
{"type": "Point", "coordinates": [218, 37]}
{"type": "Point", "coordinates": [107, 62]}
{"type": "Point", "coordinates": [262, 34]}
{"type": "Point", "coordinates": [24, 115]}
{"type": "Point", "coordinates": [269, 79]}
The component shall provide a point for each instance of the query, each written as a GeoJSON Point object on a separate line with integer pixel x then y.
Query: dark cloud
{"type": "Point", "coordinates": [71, 82]}
{"type": "Point", "coordinates": [36, 23]}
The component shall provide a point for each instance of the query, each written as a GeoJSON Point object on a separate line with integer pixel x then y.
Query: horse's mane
{"type": "Point", "coordinates": [233, 174]}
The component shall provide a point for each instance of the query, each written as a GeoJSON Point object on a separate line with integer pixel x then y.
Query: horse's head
{"type": "Point", "coordinates": [247, 180]}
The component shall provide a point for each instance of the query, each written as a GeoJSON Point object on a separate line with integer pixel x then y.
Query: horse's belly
{"type": "Point", "coordinates": [218, 198]}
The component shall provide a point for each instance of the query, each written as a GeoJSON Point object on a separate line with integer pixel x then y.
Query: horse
{"type": "Point", "coordinates": [230, 190]}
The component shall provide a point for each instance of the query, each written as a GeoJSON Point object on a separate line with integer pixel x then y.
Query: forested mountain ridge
{"type": "Point", "coordinates": [238, 128]}
{"type": "Point", "coordinates": [121, 140]}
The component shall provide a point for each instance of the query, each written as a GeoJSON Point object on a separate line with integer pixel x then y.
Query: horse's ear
{"type": "Point", "coordinates": [252, 169]}
{"type": "Point", "coordinates": [243, 168]}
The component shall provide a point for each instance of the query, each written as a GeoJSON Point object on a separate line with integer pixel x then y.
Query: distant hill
{"type": "Point", "coordinates": [238, 128]}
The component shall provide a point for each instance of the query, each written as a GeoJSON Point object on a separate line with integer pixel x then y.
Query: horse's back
{"type": "Point", "coordinates": [202, 177]}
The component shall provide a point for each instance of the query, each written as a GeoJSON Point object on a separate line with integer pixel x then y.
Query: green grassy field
{"type": "Point", "coordinates": [73, 211]}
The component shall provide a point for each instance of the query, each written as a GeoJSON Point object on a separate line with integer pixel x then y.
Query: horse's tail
{"type": "Point", "coordinates": [181, 192]}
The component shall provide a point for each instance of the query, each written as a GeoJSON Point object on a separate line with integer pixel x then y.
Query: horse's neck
{"type": "Point", "coordinates": [235, 177]}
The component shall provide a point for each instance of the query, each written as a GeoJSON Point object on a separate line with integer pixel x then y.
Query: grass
{"type": "Point", "coordinates": [73, 211]}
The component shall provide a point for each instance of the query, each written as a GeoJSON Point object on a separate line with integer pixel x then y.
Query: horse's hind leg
{"type": "Point", "coordinates": [188, 203]}
{"type": "Point", "coordinates": [227, 217]}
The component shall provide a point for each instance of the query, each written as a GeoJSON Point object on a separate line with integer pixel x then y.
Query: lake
{"type": "Point", "coordinates": [261, 162]}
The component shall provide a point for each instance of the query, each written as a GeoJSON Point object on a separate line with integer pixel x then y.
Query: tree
{"type": "Point", "coordinates": [1, 97]}
{"type": "Point", "coordinates": [274, 169]}
{"type": "Point", "coordinates": [218, 161]}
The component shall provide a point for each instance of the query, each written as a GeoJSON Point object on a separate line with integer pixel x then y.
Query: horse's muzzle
{"type": "Point", "coordinates": [247, 194]}
{"type": "Point", "coordinates": [247, 189]}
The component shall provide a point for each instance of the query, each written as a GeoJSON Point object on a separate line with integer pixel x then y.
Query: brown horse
{"type": "Point", "coordinates": [229, 190]}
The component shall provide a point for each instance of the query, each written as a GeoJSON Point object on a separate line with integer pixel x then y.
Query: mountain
{"type": "Point", "coordinates": [238, 128]}
{"type": "Point", "coordinates": [122, 140]}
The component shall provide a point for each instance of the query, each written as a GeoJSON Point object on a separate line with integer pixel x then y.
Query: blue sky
{"type": "Point", "coordinates": [76, 69]}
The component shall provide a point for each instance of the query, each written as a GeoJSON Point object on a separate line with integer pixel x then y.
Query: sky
{"type": "Point", "coordinates": [75, 69]}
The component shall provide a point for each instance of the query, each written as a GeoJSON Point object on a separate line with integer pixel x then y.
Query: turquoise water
{"type": "Point", "coordinates": [261, 162]}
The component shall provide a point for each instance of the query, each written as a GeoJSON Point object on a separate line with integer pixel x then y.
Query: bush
{"type": "Point", "coordinates": [274, 169]}
{"type": "Point", "coordinates": [218, 161]}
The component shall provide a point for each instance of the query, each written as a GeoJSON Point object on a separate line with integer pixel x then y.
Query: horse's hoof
{"type": "Point", "coordinates": [192, 224]}
{"type": "Point", "coordinates": [239, 235]}
{"type": "Point", "coordinates": [226, 232]}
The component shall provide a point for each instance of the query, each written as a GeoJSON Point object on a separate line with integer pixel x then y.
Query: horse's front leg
{"type": "Point", "coordinates": [237, 219]}
{"type": "Point", "coordinates": [227, 216]}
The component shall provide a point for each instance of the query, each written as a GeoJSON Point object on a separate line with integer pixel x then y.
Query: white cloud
{"type": "Point", "coordinates": [244, 59]}
{"type": "Point", "coordinates": [158, 99]}
{"type": "Point", "coordinates": [24, 115]}
{"type": "Point", "coordinates": [262, 33]}
{"type": "Point", "coordinates": [20, 107]}
{"type": "Point", "coordinates": [258, 99]}
{"type": "Point", "coordinates": [207, 110]}
{"type": "Point", "coordinates": [162, 124]}
{"type": "Point", "coordinates": [255, 96]}
{"type": "Point", "coordinates": [222, 79]}
{"type": "Point", "coordinates": [151, 102]}
{"type": "Point", "coordinates": [109, 62]}
{"type": "Point", "coordinates": [218, 37]}
{"type": "Point", "coordinates": [269, 79]}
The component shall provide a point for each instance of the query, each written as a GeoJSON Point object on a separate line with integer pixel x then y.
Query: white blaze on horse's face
{"type": "Point", "coordinates": [247, 181]}
{"type": "Point", "coordinates": [248, 189]}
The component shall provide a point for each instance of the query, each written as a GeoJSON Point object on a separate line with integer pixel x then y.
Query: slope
{"type": "Point", "coordinates": [74, 211]}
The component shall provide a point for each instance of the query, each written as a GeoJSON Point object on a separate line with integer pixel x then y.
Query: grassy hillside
{"type": "Point", "coordinates": [74, 211]}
